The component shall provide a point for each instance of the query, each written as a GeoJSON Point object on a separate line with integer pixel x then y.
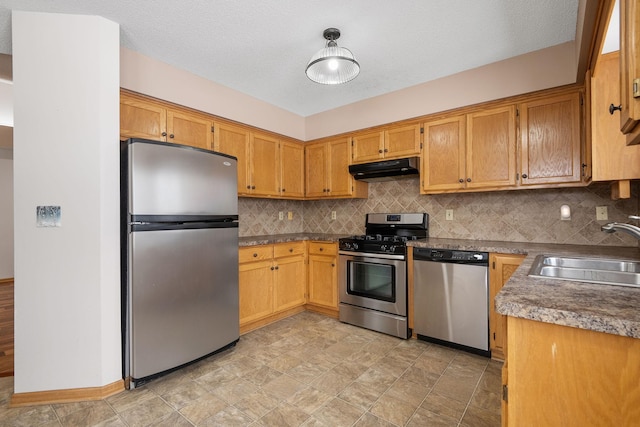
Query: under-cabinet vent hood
{"type": "Point", "coordinates": [386, 170]}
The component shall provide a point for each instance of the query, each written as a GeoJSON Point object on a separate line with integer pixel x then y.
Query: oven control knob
{"type": "Point", "coordinates": [477, 256]}
{"type": "Point", "coordinates": [392, 249]}
{"type": "Point", "coordinates": [355, 246]}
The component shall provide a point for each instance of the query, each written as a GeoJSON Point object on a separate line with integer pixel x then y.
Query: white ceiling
{"type": "Point", "coordinates": [261, 47]}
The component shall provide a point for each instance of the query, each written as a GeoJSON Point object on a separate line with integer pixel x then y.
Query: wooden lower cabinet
{"type": "Point", "coordinates": [323, 278]}
{"type": "Point", "coordinates": [272, 281]}
{"type": "Point", "coordinates": [563, 376]}
{"type": "Point", "coordinates": [502, 267]}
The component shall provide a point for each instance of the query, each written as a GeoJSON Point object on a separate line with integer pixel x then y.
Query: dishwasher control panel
{"type": "Point", "coordinates": [446, 255]}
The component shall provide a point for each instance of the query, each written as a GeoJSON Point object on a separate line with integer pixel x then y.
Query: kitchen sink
{"type": "Point", "coordinates": [591, 270]}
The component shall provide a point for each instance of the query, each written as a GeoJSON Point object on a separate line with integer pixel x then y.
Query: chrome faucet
{"type": "Point", "coordinates": [633, 230]}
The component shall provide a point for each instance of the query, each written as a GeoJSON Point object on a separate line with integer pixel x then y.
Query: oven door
{"type": "Point", "coordinates": [374, 281]}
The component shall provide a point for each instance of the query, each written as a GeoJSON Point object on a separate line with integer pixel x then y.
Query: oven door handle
{"type": "Point", "coordinates": [370, 255]}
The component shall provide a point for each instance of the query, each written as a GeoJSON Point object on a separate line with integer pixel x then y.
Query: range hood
{"type": "Point", "coordinates": [386, 170]}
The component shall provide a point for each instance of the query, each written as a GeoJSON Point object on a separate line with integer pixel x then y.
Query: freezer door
{"type": "Point", "coordinates": [169, 179]}
{"type": "Point", "coordinates": [183, 296]}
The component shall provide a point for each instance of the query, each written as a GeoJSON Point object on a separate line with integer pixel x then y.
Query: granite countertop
{"type": "Point", "coordinates": [290, 237]}
{"type": "Point", "coordinates": [603, 308]}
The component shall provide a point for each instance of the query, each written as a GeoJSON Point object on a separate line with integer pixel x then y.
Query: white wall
{"type": "Point", "coordinates": [66, 128]}
{"type": "Point", "coordinates": [6, 213]}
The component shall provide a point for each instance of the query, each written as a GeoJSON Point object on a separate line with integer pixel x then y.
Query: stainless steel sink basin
{"type": "Point", "coordinates": [592, 270]}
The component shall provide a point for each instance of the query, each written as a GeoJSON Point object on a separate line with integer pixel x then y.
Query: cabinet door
{"type": "Point", "coordinates": [292, 169]}
{"type": "Point", "coordinates": [234, 140]}
{"type": "Point", "coordinates": [502, 267]}
{"type": "Point", "coordinates": [491, 148]}
{"type": "Point", "coordinates": [265, 166]}
{"type": "Point", "coordinates": [189, 129]}
{"type": "Point", "coordinates": [443, 158]}
{"type": "Point", "coordinates": [140, 119]}
{"type": "Point", "coordinates": [630, 70]}
{"type": "Point", "coordinates": [402, 142]}
{"type": "Point", "coordinates": [340, 180]}
{"type": "Point", "coordinates": [368, 147]}
{"type": "Point", "coordinates": [290, 282]}
{"type": "Point", "coordinates": [323, 281]}
{"type": "Point", "coordinates": [550, 140]}
{"type": "Point", "coordinates": [255, 290]}
{"type": "Point", "coordinates": [612, 158]}
{"type": "Point", "coordinates": [315, 166]}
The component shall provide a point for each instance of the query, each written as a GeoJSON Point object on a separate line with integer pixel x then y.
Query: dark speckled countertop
{"type": "Point", "coordinates": [604, 308]}
{"type": "Point", "coordinates": [291, 237]}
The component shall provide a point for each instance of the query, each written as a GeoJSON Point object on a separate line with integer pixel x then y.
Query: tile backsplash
{"type": "Point", "coordinates": [520, 216]}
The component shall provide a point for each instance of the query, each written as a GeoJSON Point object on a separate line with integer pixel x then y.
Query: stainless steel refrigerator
{"type": "Point", "coordinates": [179, 256]}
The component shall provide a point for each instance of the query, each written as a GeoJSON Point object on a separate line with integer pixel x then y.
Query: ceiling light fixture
{"type": "Point", "coordinates": [332, 65]}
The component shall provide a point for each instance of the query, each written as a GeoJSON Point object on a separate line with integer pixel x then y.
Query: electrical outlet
{"type": "Point", "coordinates": [280, 216]}
{"type": "Point", "coordinates": [449, 215]}
{"type": "Point", "coordinates": [333, 214]}
{"type": "Point", "coordinates": [601, 213]}
{"type": "Point", "coordinates": [289, 215]}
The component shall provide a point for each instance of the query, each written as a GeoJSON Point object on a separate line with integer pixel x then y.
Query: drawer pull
{"type": "Point", "coordinates": [290, 249]}
{"type": "Point", "coordinates": [255, 255]}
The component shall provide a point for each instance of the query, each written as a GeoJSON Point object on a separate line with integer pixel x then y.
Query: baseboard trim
{"type": "Point", "coordinates": [256, 324]}
{"type": "Point", "coordinates": [66, 396]}
{"type": "Point", "coordinates": [6, 281]}
{"type": "Point", "coordinates": [330, 312]}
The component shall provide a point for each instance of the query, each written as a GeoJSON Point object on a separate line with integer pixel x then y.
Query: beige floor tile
{"type": "Point", "coordinates": [262, 375]}
{"type": "Point", "coordinates": [442, 405]}
{"type": "Point", "coordinates": [338, 413]}
{"type": "Point", "coordinates": [234, 391]}
{"type": "Point", "coordinates": [229, 416]}
{"type": "Point", "coordinates": [183, 393]}
{"type": "Point", "coordinates": [145, 413]}
{"type": "Point", "coordinates": [477, 417]}
{"type": "Point", "coordinates": [202, 408]}
{"type": "Point", "coordinates": [174, 419]}
{"type": "Point", "coordinates": [408, 392]}
{"type": "Point", "coordinates": [257, 404]}
{"type": "Point", "coordinates": [370, 420]}
{"type": "Point", "coordinates": [309, 399]}
{"type": "Point", "coordinates": [284, 415]}
{"type": "Point", "coordinates": [360, 395]}
{"type": "Point", "coordinates": [27, 416]}
{"type": "Point", "coordinates": [283, 387]}
{"type": "Point", "coordinates": [423, 417]}
{"type": "Point", "coordinates": [486, 400]}
{"type": "Point", "coordinates": [455, 387]}
{"type": "Point", "coordinates": [92, 414]}
{"type": "Point", "coordinates": [394, 410]}
{"type": "Point", "coordinates": [376, 380]}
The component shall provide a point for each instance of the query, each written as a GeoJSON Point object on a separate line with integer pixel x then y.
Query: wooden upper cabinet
{"type": "Point", "coordinates": [327, 170]}
{"type": "Point", "coordinates": [550, 139]}
{"type": "Point", "coordinates": [189, 129]}
{"type": "Point", "coordinates": [264, 165]}
{"type": "Point", "coordinates": [234, 140]}
{"type": "Point", "coordinates": [316, 164]}
{"type": "Point", "coordinates": [472, 151]}
{"type": "Point", "coordinates": [402, 141]}
{"type": "Point", "coordinates": [396, 142]}
{"type": "Point", "coordinates": [368, 147]}
{"type": "Point", "coordinates": [292, 169]}
{"type": "Point", "coordinates": [612, 158]}
{"type": "Point", "coordinates": [491, 148]}
{"type": "Point", "coordinates": [443, 158]}
{"type": "Point", "coordinates": [630, 70]}
{"type": "Point", "coordinates": [142, 119]}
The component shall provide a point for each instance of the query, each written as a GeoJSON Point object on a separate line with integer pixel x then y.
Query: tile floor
{"type": "Point", "coordinates": [307, 370]}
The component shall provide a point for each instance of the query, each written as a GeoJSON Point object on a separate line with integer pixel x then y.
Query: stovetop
{"type": "Point", "coordinates": [388, 233]}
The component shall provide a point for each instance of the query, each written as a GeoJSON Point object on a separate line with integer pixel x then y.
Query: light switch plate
{"type": "Point", "coordinates": [333, 214]}
{"type": "Point", "coordinates": [601, 213]}
{"type": "Point", "coordinates": [280, 216]}
{"type": "Point", "coordinates": [289, 215]}
{"type": "Point", "coordinates": [449, 215]}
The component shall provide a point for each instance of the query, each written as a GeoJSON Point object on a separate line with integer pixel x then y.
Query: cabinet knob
{"type": "Point", "coordinates": [248, 187]}
{"type": "Point", "coordinates": [461, 180]}
{"type": "Point", "coordinates": [524, 175]}
{"type": "Point", "coordinates": [163, 134]}
{"type": "Point", "coordinates": [386, 151]}
{"type": "Point", "coordinates": [321, 249]}
{"type": "Point", "coordinates": [283, 190]}
{"type": "Point", "coordinates": [253, 187]}
{"type": "Point", "coordinates": [333, 265]}
{"type": "Point", "coordinates": [379, 151]}
{"type": "Point", "coordinates": [277, 267]}
{"type": "Point", "coordinates": [290, 249]}
{"type": "Point", "coordinates": [255, 255]}
{"type": "Point", "coordinates": [171, 136]}
{"type": "Point", "coordinates": [613, 108]}
{"type": "Point", "coordinates": [468, 179]}
{"type": "Point", "coordinates": [272, 267]}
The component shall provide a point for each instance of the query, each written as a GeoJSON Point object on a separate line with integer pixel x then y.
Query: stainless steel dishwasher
{"type": "Point", "coordinates": [451, 298]}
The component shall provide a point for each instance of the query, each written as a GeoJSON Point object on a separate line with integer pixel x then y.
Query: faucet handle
{"type": "Point", "coordinates": [634, 217]}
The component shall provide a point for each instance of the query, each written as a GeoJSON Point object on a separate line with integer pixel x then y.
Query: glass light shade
{"type": "Point", "coordinates": [333, 65]}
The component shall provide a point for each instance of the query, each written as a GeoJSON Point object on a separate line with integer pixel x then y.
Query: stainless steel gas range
{"type": "Point", "coordinates": [372, 272]}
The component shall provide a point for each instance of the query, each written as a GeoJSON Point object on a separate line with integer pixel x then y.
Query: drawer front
{"type": "Point", "coordinates": [323, 248]}
{"type": "Point", "coordinates": [255, 253]}
{"type": "Point", "coordinates": [288, 249]}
